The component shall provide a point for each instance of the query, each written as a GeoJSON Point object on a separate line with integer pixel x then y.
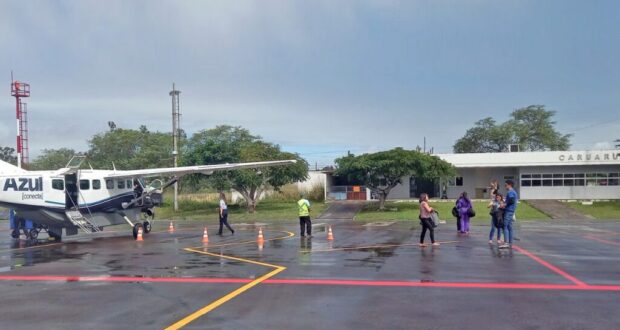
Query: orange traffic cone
{"type": "Point", "coordinates": [171, 227]}
{"type": "Point", "coordinates": [330, 234]}
{"type": "Point", "coordinates": [205, 236]}
{"type": "Point", "coordinates": [139, 238]}
{"type": "Point", "coordinates": [260, 239]}
{"type": "Point", "coordinates": [261, 244]}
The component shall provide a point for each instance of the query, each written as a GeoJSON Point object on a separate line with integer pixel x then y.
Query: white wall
{"type": "Point", "coordinates": [315, 179]}
{"type": "Point", "coordinates": [597, 192]}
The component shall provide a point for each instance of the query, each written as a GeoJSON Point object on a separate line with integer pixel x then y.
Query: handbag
{"type": "Point", "coordinates": [471, 212]}
{"type": "Point", "coordinates": [435, 219]}
{"type": "Point", "coordinates": [455, 212]}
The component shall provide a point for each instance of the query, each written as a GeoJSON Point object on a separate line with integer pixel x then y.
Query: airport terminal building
{"type": "Point", "coordinates": [560, 175]}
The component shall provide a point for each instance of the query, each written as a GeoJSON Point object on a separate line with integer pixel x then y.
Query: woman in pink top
{"type": "Point", "coordinates": [425, 220]}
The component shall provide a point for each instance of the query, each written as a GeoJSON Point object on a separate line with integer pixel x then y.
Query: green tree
{"type": "Point", "coordinates": [532, 128]}
{"type": "Point", "coordinates": [382, 171]}
{"type": "Point", "coordinates": [7, 154]}
{"type": "Point", "coordinates": [52, 159]}
{"type": "Point", "coordinates": [227, 144]}
{"type": "Point", "coordinates": [130, 149]}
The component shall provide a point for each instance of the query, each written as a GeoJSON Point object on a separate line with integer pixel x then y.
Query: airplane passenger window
{"type": "Point", "coordinates": [109, 184]}
{"type": "Point", "coordinates": [84, 184]}
{"type": "Point", "coordinates": [58, 184]}
{"type": "Point", "coordinates": [96, 184]}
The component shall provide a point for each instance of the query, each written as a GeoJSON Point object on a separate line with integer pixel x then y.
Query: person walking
{"type": "Point", "coordinates": [497, 218]}
{"type": "Point", "coordinates": [510, 209]}
{"type": "Point", "coordinates": [224, 215]}
{"type": "Point", "coordinates": [456, 214]}
{"type": "Point", "coordinates": [305, 224]}
{"type": "Point", "coordinates": [426, 221]}
{"type": "Point", "coordinates": [464, 207]}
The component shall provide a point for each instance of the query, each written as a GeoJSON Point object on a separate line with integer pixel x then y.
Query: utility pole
{"type": "Point", "coordinates": [176, 114]}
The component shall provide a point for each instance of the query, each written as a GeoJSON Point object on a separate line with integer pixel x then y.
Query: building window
{"type": "Point", "coordinates": [109, 184]}
{"type": "Point", "coordinates": [96, 184]}
{"type": "Point", "coordinates": [455, 182]}
{"type": "Point", "coordinates": [570, 179]}
{"type": "Point", "coordinates": [58, 184]}
{"type": "Point", "coordinates": [84, 184]}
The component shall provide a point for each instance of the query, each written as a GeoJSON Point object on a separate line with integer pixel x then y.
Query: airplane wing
{"type": "Point", "coordinates": [204, 169]}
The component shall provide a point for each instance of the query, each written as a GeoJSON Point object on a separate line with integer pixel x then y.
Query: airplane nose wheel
{"type": "Point", "coordinates": [147, 226]}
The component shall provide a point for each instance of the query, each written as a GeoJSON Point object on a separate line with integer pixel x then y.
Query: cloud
{"type": "Point", "coordinates": [311, 75]}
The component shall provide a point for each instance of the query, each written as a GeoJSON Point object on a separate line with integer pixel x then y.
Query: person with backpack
{"type": "Point", "coordinates": [497, 218]}
{"type": "Point", "coordinates": [426, 221]}
{"type": "Point", "coordinates": [465, 208]}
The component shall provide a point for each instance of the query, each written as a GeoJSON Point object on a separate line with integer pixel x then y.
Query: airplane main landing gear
{"type": "Point", "coordinates": [136, 227]}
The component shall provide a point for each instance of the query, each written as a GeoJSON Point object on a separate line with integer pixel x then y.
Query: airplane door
{"type": "Point", "coordinates": [71, 191]}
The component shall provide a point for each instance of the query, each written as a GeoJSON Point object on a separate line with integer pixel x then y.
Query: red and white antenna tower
{"type": "Point", "coordinates": [20, 90]}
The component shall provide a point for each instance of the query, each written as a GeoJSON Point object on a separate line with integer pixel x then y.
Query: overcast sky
{"type": "Point", "coordinates": [317, 77]}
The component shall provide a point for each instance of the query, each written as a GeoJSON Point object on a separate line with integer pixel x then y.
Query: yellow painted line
{"type": "Point", "coordinates": [352, 248]}
{"type": "Point", "coordinates": [288, 235]}
{"type": "Point", "coordinates": [206, 309]}
{"type": "Point", "coordinates": [30, 247]}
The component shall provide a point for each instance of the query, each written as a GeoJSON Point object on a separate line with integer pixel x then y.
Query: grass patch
{"type": "Point", "coordinates": [599, 210]}
{"type": "Point", "coordinates": [207, 210]}
{"type": "Point", "coordinates": [409, 210]}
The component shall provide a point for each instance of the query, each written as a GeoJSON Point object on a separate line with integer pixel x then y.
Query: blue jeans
{"type": "Point", "coordinates": [508, 230]}
{"type": "Point", "coordinates": [499, 230]}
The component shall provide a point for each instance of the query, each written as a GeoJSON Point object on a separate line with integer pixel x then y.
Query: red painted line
{"type": "Point", "coordinates": [551, 267]}
{"type": "Point", "coordinates": [331, 282]}
{"type": "Point", "coordinates": [594, 238]}
{"type": "Point", "coordinates": [53, 278]}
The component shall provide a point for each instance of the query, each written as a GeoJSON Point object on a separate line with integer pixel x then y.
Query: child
{"type": "Point", "coordinates": [497, 218]}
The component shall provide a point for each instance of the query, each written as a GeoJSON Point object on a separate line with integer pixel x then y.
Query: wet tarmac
{"type": "Point", "coordinates": [560, 275]}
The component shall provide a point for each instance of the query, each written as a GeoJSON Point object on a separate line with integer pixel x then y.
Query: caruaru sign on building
{"type": "Point", "coordinates": [590, 156]}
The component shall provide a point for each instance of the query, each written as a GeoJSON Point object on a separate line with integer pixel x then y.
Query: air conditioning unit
{"type": "Point", "coordinates": [513, 148]}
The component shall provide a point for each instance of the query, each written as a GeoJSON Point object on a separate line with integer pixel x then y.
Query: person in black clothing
{"type": "Point", "coordinates": [426, 221]}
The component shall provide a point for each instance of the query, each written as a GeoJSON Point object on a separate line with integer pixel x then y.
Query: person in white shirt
{"type": "Point", "coordinates": [224, 215]}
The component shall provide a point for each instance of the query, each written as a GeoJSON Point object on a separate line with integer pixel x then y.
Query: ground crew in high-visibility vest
{"type": "Point", "coordinates": [304, 217]}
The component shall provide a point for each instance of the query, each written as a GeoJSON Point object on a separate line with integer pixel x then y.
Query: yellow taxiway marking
{"type": "Point", "coordinates": [30, 247]}
{"type": "Point", "coordinates": [206, 247]}
{"type": "Point", "coordinates": [219, 302]}
{"type": "Point", "coordinates": [383, 246]}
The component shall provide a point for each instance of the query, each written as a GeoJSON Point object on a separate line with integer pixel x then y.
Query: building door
{"type": "Point", "coordinates": [418, 186]}
{"type": "Point", "coordinates": [71, 191]}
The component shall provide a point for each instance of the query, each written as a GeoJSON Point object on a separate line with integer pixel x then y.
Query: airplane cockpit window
{"type": "Point", "coordinates": [58, 184]}
{"type": "Point", "coordinates": [109, 184]}
{"type": "Point", "coordinates": [96, 184]}
{"type": "Point", "coordinates": [84, 184]}
{"type": "Point", "coordinates": [120, 184]}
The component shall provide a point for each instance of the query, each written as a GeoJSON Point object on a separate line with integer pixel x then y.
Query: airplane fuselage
{"type": "Point", "coordinates": [45, 196]}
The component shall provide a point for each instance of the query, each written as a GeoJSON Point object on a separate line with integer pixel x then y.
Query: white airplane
{"type": "Point", "coordinates": [87, 199]}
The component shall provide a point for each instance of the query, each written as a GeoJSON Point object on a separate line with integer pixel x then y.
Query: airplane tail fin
{"type": "Point", "coordinates": [6, 168]}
